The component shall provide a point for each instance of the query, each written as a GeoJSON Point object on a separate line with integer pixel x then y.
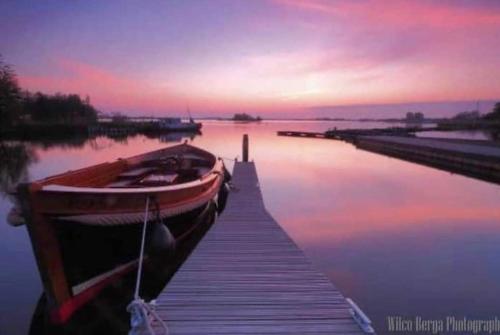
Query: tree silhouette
{"type": "Point", "coordinates": [9, 94]}
{"type": "Point", "coordinates": [16, 106]}
{"type": "Point", "coordinates": [495, 113]}
{"type": "Point", "coordinates": [59, 108]}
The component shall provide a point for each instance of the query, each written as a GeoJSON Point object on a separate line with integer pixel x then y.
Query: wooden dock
{"type": "Point", "coordinates": [477, 159]}
{"type": "Point", "coordinates": [248, 277]}
{"type": "Point", "coordinates": [302, 134]}
{"type": "Point", "coordinates": [351, 134]}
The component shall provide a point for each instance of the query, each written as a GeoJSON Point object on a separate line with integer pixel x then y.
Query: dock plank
{"type": "Point", "coordinates": [248, 277]}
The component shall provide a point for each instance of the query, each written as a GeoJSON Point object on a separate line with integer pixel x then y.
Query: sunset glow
{"type": "Point", "coordinates": [266, 56]}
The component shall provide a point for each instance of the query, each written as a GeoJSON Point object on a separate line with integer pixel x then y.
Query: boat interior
{"type": "Point", "coordinates": [168, 170]}
{"type": "Point", "coordinates": [171, 166]}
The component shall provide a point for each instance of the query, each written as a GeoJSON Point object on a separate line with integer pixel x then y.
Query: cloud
{"type": "Point", "coordinates": [306, 53]}
{"type": "Point", "coordinates": [311, 5]}
{"type": "Point", "coordinates": [306, 62]}
{"type": "Point", "coordinates": [387, 31]}
{"type": "Point", "coordinates": [106, 88]}
{"type": "Point", "coordinates": [403, 13]}
{"type": "Point", "coordinates": [398, 46]}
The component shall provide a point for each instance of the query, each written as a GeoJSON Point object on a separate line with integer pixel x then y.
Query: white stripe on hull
{"type": "Point", "coordinates": [137, 217]}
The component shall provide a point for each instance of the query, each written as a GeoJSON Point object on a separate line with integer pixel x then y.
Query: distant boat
{"type": "Point", "coordinates": [85, 224]}
{"type": "Point", "coordinates": [176, 124]}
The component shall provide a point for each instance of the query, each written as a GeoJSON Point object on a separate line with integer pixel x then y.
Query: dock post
{"type": "Point", "coordinates": [245, 148]}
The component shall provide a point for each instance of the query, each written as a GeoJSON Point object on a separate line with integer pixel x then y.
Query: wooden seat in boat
{"type": "Point", "coordinates": [135, 173]}
{"type": "Point", "coordinates": [159, 179]}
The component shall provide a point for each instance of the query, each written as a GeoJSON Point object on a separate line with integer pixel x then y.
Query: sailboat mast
{"type": "Point", "coordinates": [189, 114]}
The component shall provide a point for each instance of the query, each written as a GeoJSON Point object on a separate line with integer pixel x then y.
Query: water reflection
{"type": "Point", "coordinates": [178, 136]}
{"type": "Point", "coordinates": [399, 238]}
{"type": "Point", "coordinates": [16, 158]}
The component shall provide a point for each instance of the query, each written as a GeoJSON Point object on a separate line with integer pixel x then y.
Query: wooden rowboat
{"type": "Point", "coordinates": [84, 225]}
{"type": "Point", "coordinates": [177, 179]}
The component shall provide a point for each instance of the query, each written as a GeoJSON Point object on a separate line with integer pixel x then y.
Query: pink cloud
{"type": "Point", "coordinates": [387, 31]}
{"type": "Point", "coordinates": [315, 52]}
{"type": "Point", "coordinates": [107, 89]}
{"type": "Point", "coordinates": [312, 5]}
{"type": "Point", "coordinates": [308, 61]}
{"type": "Point", "coordinates": [418, 50]}
{"type": "Point", "coordinates": [401, 12]}
{"type": "Point", "coordinates": [110, 91]}
{"type": "Point", "coordinates": [88, 76]}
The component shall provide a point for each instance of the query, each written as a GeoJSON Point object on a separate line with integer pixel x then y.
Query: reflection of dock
{"type": "Point", "coordinates": [478, 159]}
{"type": "Point", "coordinates": [247, 276]}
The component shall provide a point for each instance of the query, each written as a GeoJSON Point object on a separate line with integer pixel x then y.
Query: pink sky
{"type": "Point", "coordinates": [267, 56]}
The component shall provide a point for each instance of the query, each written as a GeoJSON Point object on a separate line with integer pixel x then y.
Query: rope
{"type": "Point", "coordinates": [142, 313]}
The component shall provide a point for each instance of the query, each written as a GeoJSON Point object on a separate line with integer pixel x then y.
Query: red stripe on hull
{"type": "Point", "coordinates": [63, 313]}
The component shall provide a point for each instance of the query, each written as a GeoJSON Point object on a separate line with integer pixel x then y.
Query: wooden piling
{"type": "Point", "coordinates": [245, 148]}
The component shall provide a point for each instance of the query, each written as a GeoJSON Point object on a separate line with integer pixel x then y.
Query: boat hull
{"type": "Point", "coordinates": [112, 247]}
{"type": "Point", "coordinates": [56, 197]}
{"type": "Point", "coordinates": [96, 257]}
{"type": "Point", "coordinates": [116, 208]}
{"type": "Point", "coordinates": [86, 234]}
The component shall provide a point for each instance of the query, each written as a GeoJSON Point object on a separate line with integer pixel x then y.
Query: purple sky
{"type": "Point", "coordinates": [271, 57]}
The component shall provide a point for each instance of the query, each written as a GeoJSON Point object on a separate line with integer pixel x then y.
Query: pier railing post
{"type": "Point", "coordinates": [245, 148]}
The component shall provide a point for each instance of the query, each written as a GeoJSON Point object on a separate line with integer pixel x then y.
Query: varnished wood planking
{"type": "Point", "coordinates": [248, 277]}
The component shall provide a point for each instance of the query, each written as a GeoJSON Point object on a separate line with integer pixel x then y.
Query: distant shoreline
{"type": "Point", "coordinates": [135, 126]}
{"type": "Point", "coordinates": [392, 120]}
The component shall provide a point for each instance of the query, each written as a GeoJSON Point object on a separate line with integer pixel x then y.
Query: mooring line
{"type": "Point", "coordinates": [140, 310]}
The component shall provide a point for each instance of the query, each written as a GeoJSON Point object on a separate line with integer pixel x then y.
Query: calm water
{"type": "Point", "coordinates": [398, 238]}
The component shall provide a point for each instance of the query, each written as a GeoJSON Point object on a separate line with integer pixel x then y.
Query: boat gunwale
{"type": "Point", "coordinates": [209, 176]}
{"type": "Point", "coordinates": [49, 185]}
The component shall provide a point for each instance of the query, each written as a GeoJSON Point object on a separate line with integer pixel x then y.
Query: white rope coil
{"type": "Point", "coordinates": [142, 313]}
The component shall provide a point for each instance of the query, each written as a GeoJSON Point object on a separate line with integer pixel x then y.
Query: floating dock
{"type": "Point", "coordinates": [302, 134]}
{"type": "Point", "coordinates": [477, 159]}
{"type": "Point", "coordinates": [247, 276]}
{"type": "Point", "coordinates": [350, 134]}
